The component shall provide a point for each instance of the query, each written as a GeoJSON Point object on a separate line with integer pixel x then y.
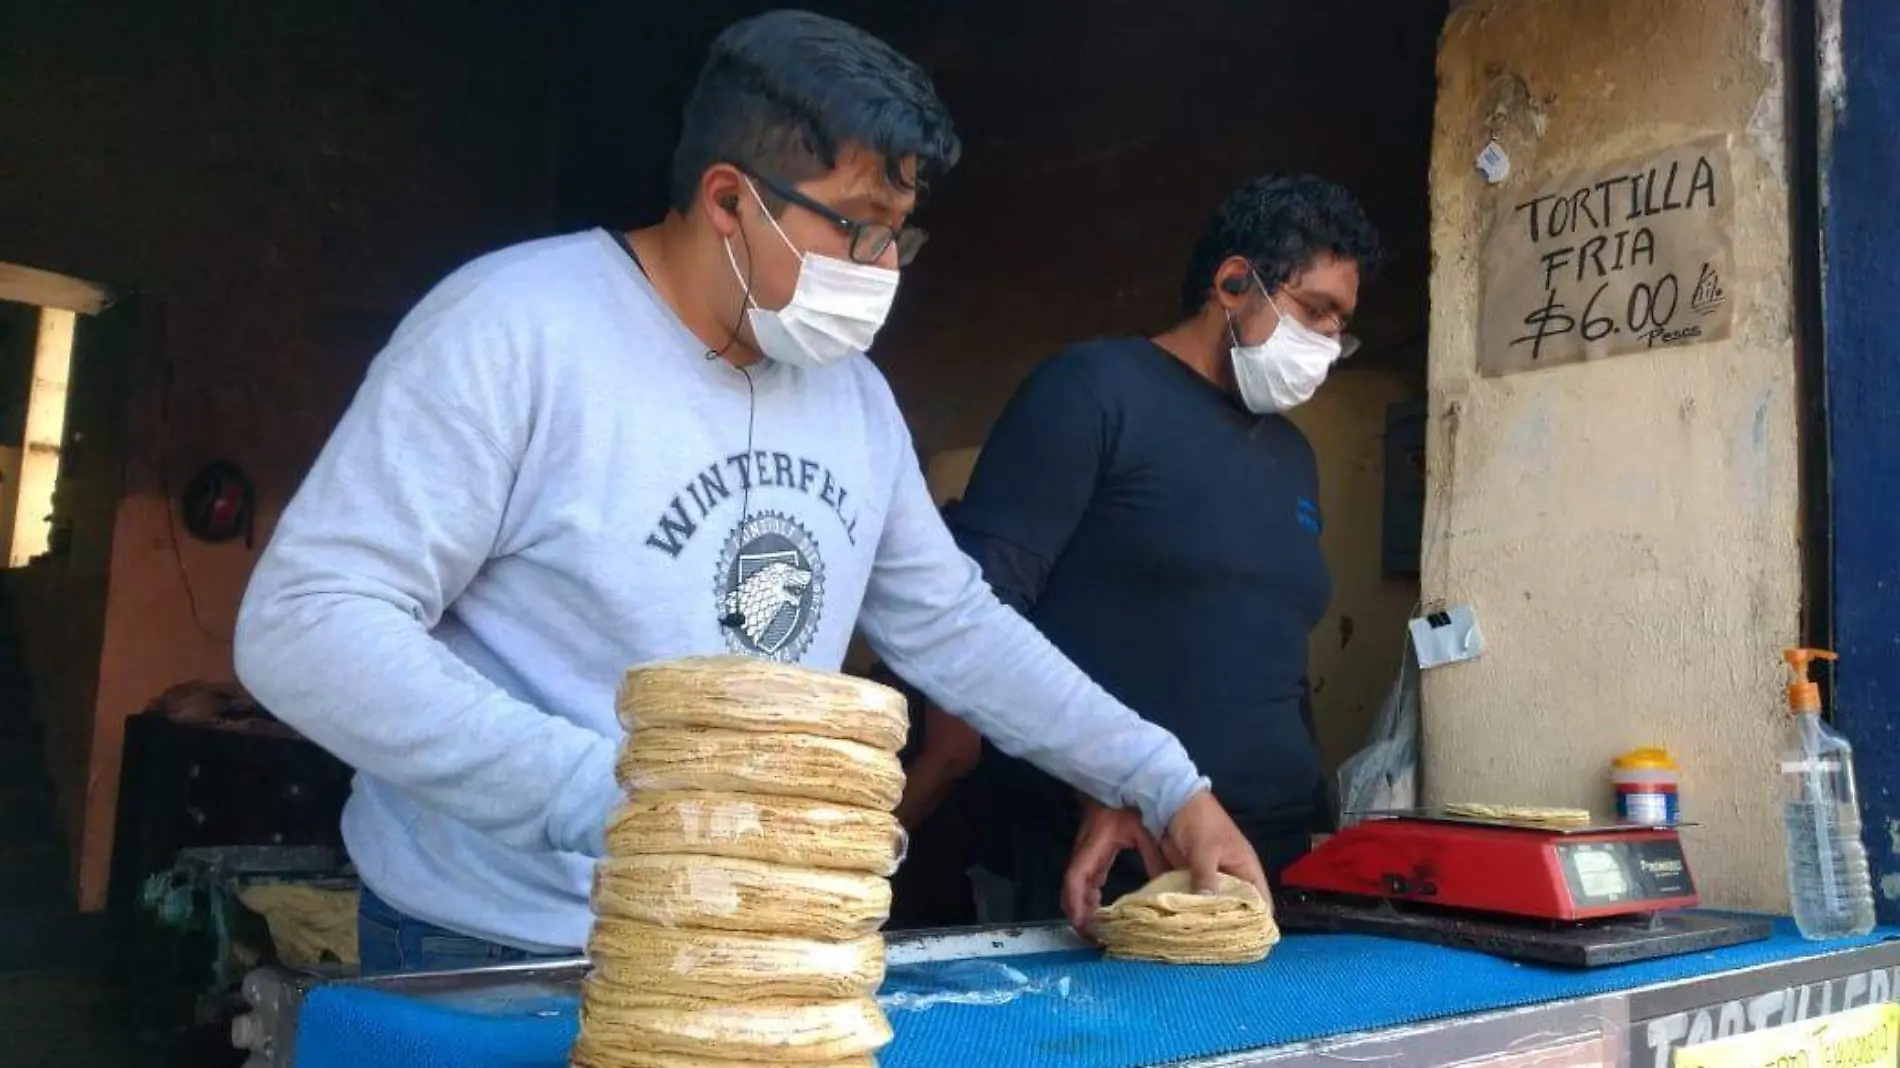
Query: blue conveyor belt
{"type": "Point", "coordinates": [1106, 1015]}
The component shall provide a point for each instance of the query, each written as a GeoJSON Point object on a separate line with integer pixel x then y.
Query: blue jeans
{"type": "Point", "coordinates": [390, 942]}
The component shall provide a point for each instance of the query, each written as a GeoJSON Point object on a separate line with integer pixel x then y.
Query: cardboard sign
{"type": "Point", "coordinates": [1619, 259]}
{"type": "Point", "coordinates": [1859, 1038]}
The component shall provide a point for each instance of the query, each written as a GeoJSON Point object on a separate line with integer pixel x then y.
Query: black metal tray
{"type": "Point", "coordinates": [1584, 944]}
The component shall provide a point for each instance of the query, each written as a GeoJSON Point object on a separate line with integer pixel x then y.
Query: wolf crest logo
{"type": "Point", "coordinates": [772, 582]}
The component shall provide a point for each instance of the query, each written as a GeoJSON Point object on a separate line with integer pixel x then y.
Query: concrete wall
{"type": "Point", "coordinates": [280, 185]}
{"type": "Point", "coordinates": [1627, 530]}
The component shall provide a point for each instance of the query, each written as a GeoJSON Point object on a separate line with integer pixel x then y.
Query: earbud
{"type": "Point", "coordinates": [730, 202]}
{"type": "Point", "coordinates": [1237, 285]}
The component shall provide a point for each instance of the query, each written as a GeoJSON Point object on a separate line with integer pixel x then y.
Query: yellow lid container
{"type": "Point", "coordinates": [1648, 758]}
{"type": "Point", "coordinates": [1646, 781]}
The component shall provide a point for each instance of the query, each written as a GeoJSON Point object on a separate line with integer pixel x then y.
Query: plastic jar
{"type": "Point", "coordinates": [1647, 784]}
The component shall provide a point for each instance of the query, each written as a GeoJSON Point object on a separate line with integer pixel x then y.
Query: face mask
{"type": "Point", "coordinates": [836, 308]}
{"type": "Point", "coordinates": [1284, 371]}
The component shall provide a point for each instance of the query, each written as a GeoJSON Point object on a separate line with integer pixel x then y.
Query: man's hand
{"type": "Point", "coordinates": [1106, 833]}
{"type": "Point", "coordinates": [951, 750]}
{"type": "Point", "coordinates": [1203, 839]}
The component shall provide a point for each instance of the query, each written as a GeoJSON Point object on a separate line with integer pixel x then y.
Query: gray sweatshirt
{"type": "Point", "coordinates": [545, 481]}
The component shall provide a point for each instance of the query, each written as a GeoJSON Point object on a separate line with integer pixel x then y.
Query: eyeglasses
{"type": "Point", "coordinates": [1326, 321]}
{"type": "Point", "coordinates": [869, 240]}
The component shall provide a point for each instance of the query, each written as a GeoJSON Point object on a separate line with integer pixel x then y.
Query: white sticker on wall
{"type": "Point", "coordinates": [1493, 163]}
{"type": "Point", "coordinates": [1447, 636]}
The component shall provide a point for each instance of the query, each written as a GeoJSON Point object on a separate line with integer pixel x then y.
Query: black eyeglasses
{"type": "Point", "coordinates": [869, 240]}
{"type": "Point", "coordinates": [1336, 324]}
{"type": "Point", "coordinates": [1333, 323]}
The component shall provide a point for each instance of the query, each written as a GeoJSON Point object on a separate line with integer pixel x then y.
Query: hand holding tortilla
{"type": "Point", "coordinates": [1204, 840]}
{"type": "Point", "coordinates": [1106, 834]}
{"type": "Point", "coordinates": [1167, 921]}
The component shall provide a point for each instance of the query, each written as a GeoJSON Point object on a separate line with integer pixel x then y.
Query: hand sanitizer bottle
{"type": "Point", "coordinates": [1828, 880]}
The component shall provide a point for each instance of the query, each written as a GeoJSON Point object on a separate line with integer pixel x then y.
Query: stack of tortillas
{"type": "Point", "coordinates": [737, 912]}
{"type": "Point", "coordinates": [1167, 921]}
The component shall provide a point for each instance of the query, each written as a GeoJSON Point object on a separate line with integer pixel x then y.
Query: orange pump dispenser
{"type": "Point", "coordinates": [1804, 695]}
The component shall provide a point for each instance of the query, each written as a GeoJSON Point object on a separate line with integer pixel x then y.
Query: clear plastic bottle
{"type": "Point", "coordinates": [1828, 880]}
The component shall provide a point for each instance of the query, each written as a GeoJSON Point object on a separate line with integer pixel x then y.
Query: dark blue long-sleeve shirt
{"type": "Point", "coordinates": [1167, 541]}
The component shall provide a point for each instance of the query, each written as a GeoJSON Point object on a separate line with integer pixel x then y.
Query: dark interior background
{"type": "Point", "coordinates": [278, 183]}
{"type": "Point", "coordinates": [1099, 136]}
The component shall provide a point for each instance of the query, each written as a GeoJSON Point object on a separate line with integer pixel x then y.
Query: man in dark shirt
{"type": "Point", "coordinates": [1148, 506]}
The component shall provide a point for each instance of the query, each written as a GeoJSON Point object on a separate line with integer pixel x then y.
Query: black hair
{"type": "Point", "coordinates": [782, 92]}
{"type": "Point", "coordinates": [1281, 225]}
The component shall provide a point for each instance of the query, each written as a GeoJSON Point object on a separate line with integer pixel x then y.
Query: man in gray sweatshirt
{"type": "Point", "coordinates": [596, 451]}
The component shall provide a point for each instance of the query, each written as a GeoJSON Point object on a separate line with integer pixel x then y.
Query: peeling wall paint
{"type": "Point", "coordinates": [1767, 125]}
{"type": "Point", "coordinates": [1833, 62]}
{"type": "Point", "coordinates": [1626, 530]}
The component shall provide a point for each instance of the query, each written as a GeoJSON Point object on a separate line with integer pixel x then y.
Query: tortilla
{"type": "Point", "coordinates": [1167, 921]}
{"type": "Point", "coordinates": [1555, 817]}
{"type": "Point", "coordinates": [727, 894]}
{"type": "Point", "coordinates": [746, 694]}
{"type": "Point", "coordinates": [723, 966]}
{"type": "Point", "coordinates": [778, 830]}
{"type": "Point", "coordinates": [592, 1053]}
{"type": "Point", "coordinates": [755, 762]}
{"type": "Point", "coordinates": [755, 1032]}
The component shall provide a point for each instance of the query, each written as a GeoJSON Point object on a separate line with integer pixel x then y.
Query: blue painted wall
{"type": "Point", "coordinates": [1862, 228]}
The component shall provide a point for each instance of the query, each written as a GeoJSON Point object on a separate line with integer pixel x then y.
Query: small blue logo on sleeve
{"type": "Point", "coordinates": [1308, 513]}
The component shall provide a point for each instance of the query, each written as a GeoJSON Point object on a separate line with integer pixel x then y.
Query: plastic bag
{"type": "Point", "coordinates": [916, 987]}
{"type": "Point", "coordinates": [1384, 775]}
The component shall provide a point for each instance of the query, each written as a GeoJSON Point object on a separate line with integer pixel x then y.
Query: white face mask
{"type": "Point", "coordinates": [1284, 371]}
{"type": "Point", "coordinates": [836, 308]}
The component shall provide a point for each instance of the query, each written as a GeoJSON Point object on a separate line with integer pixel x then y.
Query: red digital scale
{"type": "Point", "coordinates": [1583, 895]}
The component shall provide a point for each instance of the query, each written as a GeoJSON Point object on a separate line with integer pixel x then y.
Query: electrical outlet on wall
{"type": "Point", "coordinates": [1447, 635]}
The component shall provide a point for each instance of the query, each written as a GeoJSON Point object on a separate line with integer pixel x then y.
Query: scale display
{"type": "Point", "coordinates": [1600, 873]}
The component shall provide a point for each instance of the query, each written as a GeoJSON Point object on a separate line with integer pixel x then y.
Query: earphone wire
{"type": "Point", "coordinates": [751, 423]}
{"type": "Point", "coordinates": [751, 385]}
{"type": "Point", "coordinates": [735, 618]}
{"type": "Point", "coordinates": [745, 298]}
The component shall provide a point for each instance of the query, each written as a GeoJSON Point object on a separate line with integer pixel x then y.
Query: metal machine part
{"type": "Point", "coordinates": [1588, 944]}
{"type": "Point", "coordinates": [1638, 1028]}
{"type": "Point", "coordinates": [275, 995]}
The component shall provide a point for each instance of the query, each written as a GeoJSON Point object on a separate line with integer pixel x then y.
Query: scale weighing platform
{"type": "Point", "coordinates": [1584, 896]}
